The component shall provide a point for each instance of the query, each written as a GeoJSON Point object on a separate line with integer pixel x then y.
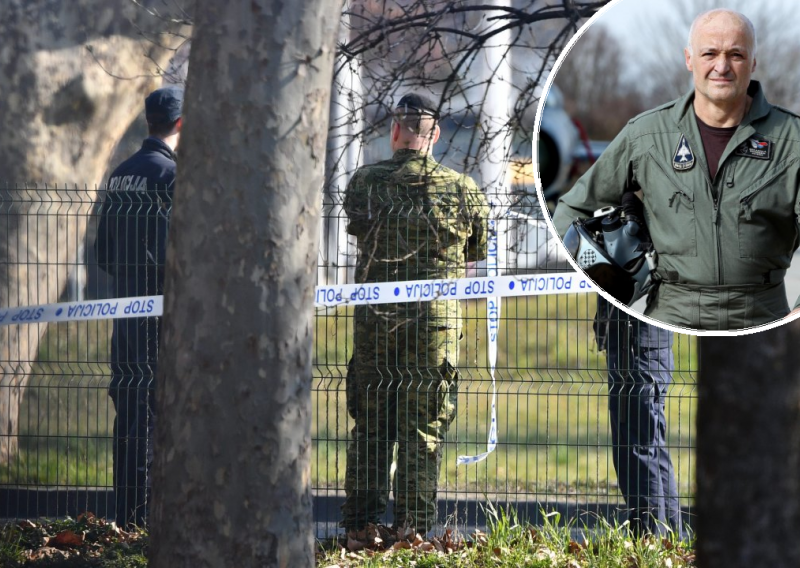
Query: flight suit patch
{"type": "Point", "coordinates": [755, 147]}
{"type": "Point", "coordinates": [683, 158]}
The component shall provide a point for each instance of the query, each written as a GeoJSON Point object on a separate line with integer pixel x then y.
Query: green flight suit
{"type": "Point", "coordinates": [724, 244]}
{"type": "Point", "coordinates": [414, 219]}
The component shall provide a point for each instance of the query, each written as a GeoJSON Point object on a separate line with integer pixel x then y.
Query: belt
{"type": "Point", "coordinates": [768, 278]}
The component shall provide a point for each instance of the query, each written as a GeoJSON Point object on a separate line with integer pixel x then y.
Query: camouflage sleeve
{"type": "Point", "coordinates": [478, 211]}
{"type": "Point", "coordinates": [356, 204]}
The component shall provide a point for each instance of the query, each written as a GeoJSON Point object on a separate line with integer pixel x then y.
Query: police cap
{"type": "Point", "coordinates": [420, 104]}
{"type": "Point", "coordinates": [164, 105]}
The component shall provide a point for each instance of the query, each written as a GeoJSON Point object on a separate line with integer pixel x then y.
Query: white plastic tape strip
{"type": "Point", "coordinates": [456, 289]}
{"type": "Point", "coordinates": [492, 329]}
{"type": "Point", "coordinates": [325, 296]}
{"type": "Point", "coordinates": [141, 306]}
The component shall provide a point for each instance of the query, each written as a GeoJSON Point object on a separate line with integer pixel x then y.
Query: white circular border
{"type": "Point", "coordinates": [548, 219]}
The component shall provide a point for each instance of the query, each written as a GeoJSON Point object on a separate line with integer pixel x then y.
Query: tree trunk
{"type": "Point", "coordinates": [231, 479]}
{"type": "Point", "coordinates": [748, 450]}
{"type": "Point", "coordinates": [62, 114]}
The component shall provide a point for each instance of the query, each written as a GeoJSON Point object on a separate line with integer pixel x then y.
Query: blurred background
{"type": "Point", "coordinates": [630, 58]}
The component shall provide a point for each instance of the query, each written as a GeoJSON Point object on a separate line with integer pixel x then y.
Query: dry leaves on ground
{"type": "Point", "coordinates": [88, 536]}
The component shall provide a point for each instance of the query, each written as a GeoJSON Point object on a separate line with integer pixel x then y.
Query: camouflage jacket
{"type": "Point", "coordinates": [415, 220]}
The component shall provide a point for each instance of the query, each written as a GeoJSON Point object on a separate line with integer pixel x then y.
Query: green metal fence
{"type": "Point", "coordinates": [554, 449]}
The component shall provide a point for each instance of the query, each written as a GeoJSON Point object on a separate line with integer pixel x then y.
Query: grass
{"type": "Point", "coordinates": [66, 416]}
{"type": "Point", "coordinates": [510, 543]}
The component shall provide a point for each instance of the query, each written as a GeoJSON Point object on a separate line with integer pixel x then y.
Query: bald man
{"type": "Point", "coordinates": [718, 171]}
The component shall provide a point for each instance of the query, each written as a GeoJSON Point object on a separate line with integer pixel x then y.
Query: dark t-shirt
{"type": "Point", "coordinates": [714, 142]}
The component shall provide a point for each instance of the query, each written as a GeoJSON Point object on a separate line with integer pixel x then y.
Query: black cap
{"type": "Point", "coordinates": [163, 106]}
{"type": "Point", "coordinates": [417, 103]}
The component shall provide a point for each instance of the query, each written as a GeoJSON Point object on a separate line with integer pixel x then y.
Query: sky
{"type": "Point", "coordinates": [636, 23]}
{"type": "Point", "coordinates": [628, 19]}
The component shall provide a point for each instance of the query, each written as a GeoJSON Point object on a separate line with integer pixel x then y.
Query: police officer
{"type": "Point", "coordinates": [414, 219]}
{"type": "Point", "coordinates": [719, 176]}
{"type": "Point", "coordinates": [131, 246]}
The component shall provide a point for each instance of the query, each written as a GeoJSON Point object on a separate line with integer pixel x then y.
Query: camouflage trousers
{"type": "Point", "coordinates": [401, 390]}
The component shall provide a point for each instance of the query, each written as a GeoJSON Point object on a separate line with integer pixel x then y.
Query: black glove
{"type": "Point", "coordinates": [633, 207]}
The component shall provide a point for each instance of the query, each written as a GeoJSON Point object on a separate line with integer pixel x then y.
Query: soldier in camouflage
{"type": "Point", "coordinates": [414, 219]}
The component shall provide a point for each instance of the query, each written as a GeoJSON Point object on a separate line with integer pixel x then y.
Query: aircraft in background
{"type": "Point", "coordinates": [563, 152]}
{"type": "Point", "coordinates": [563, 147]}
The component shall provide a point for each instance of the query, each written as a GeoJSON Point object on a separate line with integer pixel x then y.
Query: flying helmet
{"type": "Point", "coordinates": [615, 252]}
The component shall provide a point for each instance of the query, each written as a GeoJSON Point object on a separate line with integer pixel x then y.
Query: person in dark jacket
{"type": "Point", "coordinates": [131, 247]}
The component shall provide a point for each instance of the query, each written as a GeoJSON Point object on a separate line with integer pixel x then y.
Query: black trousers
{"type": "Point", "coordinates": [640, 364]}
{"type": "Point", "coordinates": [133, 428]}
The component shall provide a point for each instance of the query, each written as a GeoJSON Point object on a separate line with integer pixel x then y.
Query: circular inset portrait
{"type": "Point", "coordinates": [675, 183]}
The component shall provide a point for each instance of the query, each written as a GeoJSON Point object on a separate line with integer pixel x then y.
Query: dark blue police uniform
{"type": "Point", "coordinates": [131, 246]}
{"type": "Point", "coordinates": [640, 364]}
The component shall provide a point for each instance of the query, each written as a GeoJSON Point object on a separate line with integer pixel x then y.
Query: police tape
{"type": "Point", "coordinates": [454, 289]}
{"type": "Point", "coordinates": [492, 329]}
{"type": "Point", "coordinates": [141, 306]}
{"type": "Point", "coordinates": [325, 296]}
